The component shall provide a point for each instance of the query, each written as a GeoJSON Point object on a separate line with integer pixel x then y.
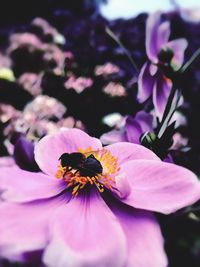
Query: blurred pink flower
{"type": "Point", "coordinates": [34, 120]}
{"type": "Point", "coordinates": [5, 61]}
{"type": "Point", "coordinates": [55, 56]}
{"type": "Point", "coordinates": [70, 122]}
{"type": "Point", "coordinates": [44, 115]}
{"type": "Point", "coordinates": [106, 70]}
{"type": "Point", "coordinates": [79, 84]}
{"type": "Point", "coordinates": [48, 31]}
{"type": "Point", "coordinates": [44, 106]}
{"type": "Point", "coordinates": [24, 39]}
{"type": "Point", "coordinates": [8, 112]}
{"type": "Point", "coordinates": [31, 82]}
{"type": "Point", "coordinates": [114, 89]}
{"type": "Point", "coordinates": [51, 55]}
{"type": "Point", "coordinates": [100, 218]}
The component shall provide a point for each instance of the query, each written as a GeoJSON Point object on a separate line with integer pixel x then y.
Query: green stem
{"type": "Point", "coordinates": [166, 116]}
{"type": "Point", "coordinates": [167, 109]}
{"type": "Point", "coordinates": [190, 61]}
{"type": "Point", "coordinates": [170, 108]}
{"type": "Point", "coordinates": [165, 122]}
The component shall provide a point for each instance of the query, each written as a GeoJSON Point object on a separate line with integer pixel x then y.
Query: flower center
{"type": "Point", "coordinates": [88, 167]}
{"type": "Point", "coordinates": [166, 55]}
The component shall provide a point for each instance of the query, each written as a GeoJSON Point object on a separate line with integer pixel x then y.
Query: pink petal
{"type": "Point", "coordinates": [161, 91]}
{"type": "Point", "coordinates": [125, 151]}
{"type": "Point", "coordinates": [145, 83]}
{"type": "Point", "coordinates": [86, 233]}
{"type": "Point", "coordinates": [7, 161]}
{"type": "Point", "coordinates": [21, 186]}
{"type": "Point", "coordinates": [163, 34]}
{"type": "Point", "coordinates": [136, 126]}
{"type": "Point", "coordinates": [159, 186]}
{"type": "Point", "coordinates": [25, 227]}
{"type": "Point", "coordinates": [152, 26]}
{"type": "Point", "coordinates": [113, 136]}
{"type": "Point", "coordinates": [51, 147]}
{"type": "Point", "coordinates": [133, 130]}
{"type": "Point", "coordinates": [145, 120]}
{"type": "Point", "coordinates": [143, 234]}
{"type": "Point", "coordinates": [178, 46]}
{"type": "Point", "coordinates": [153, 69]}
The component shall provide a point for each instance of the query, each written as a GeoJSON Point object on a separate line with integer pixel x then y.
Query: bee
{"type": "Point", "coordinates": [85, 165]}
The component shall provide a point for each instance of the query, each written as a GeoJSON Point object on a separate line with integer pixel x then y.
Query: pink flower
{"type": "Point", "coordinates": [31, 82]}
{"type": "Point", "coordinates": [106, 70]}
{"type": "Point", "coordinates": [21, 39]}
{"type": "Point", "coordinates": [163, 55]}
{"type": "Point", "coordinates": [114, 89]}
{"type": "Point", "coordinates": [8, 112]}
{"type": "Point", "coordinates": [44, 106]}
{"type": "Point", "coordinates": [46, 30]}
{"type": "Point", "coordinates": [78, 84]}
{"type": "Point", "coordinates": [130, 129]}
{"type": "Point", "coordinates": [98, 216]}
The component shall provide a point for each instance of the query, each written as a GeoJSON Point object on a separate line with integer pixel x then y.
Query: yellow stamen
{"type": "Point", "coordinates": [106, 179]}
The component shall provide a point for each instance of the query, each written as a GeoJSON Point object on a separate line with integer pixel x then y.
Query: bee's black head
{"type": "Point", "coordinates": [64, 158]}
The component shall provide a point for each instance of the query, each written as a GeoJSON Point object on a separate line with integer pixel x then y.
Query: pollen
{"type": "Point", "coordinates": [105, 180]}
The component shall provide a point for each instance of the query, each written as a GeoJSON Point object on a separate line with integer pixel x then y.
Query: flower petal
{"type": "Point", "coordinates": [86, 233]}
{"type": "Point", "coordinates": [143, 235]}
{"type": "Point", "coordinates": [136, 126]}
{"type": "Point", "coordinates": [159, 186]}
{"type": "Point", "coordinates": [145, 83]}
{"type": "Point", "coordinates": [178, 46]}
{"type": "Point", "coordinates": [24, 154]}
{"type": "Point", "coordinates": [51, 147]}
{"type": "Point", "coordinates": [152, 26]}
{"type": "Point", "coordinates": [113, 136]}
{"type": "Point", "coordinates": [163, 34]}
{"type": "Point", "coordinates": [24, 227]}
{"type": "Point", "coordinates": [145, 120]}
{"type": "Point", "coordinates": [161, 91]}
{"type": "Point", "coordinates": [133, 130]}
{"type": "Point", "coordinates": [21, 186]}
{"type": "Point", "coordinates": [125, 151]}
{"type": "Point", "coordinates": [7, 161]}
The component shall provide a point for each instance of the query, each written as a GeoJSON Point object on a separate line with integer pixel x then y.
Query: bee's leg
{"type": "Point", "coordinates": [68, 170]}
{"type": "Point", "coordinates": [76, 172]}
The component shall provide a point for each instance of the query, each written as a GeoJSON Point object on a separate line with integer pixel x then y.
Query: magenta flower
{"type": "Point", "coordinates": [98, 214]}
{"type": "Point", "coordinates": [162, 54]}
{"type": "Point", "coordinates": [132, 130]}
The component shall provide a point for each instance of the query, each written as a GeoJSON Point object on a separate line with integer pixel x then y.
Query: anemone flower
{"type": "Point", "coordinates": [162, 54]}
{"type": "Point", "coordinates": [131, 132]}
{"type": "Point", "coordinates": [94, 208]}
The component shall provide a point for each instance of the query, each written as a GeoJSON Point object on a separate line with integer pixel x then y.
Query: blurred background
{"type": "Point", "coordinates": [59, 67]}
